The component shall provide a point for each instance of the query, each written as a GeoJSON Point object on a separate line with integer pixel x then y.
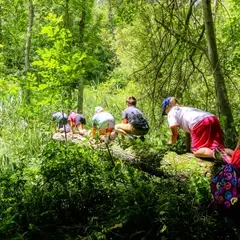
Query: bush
{"type": "Point", "coordinates": [75, 192]}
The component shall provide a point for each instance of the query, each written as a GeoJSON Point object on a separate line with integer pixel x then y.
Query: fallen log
{"type": "Point", "coordinates": [162, 162]}
{"type": "Point", "coordinates": [158, 162]}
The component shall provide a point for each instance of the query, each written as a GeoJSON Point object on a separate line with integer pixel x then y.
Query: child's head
{"type": "Point", "coordinates": [98, 109]}
{"type": "Point", "coordinates": [168, 103]}
{"type": "Point", "coordinates": [173, 101]}
{"type": "Point", "coordinates": [131, 101]}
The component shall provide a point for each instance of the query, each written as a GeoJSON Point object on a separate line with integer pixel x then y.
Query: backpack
{"type": "Point", "coordinates": [225, 188]}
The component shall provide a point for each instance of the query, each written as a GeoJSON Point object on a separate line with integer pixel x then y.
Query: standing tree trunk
{"type": "Point", "coordinates": [27, 50]}
{"type": "Point", "coordinates": [82, 23]}
{"type": "Point", "coordinates": [220, 87]}
{"type": "Point", "coordinates": [1, 35]}
{"type": "Point", "coordinates": [80, 96]}
{"type": "Point", "coordinates": [112, 29]}
{"type": "Point", "coordinates": [66, 16]}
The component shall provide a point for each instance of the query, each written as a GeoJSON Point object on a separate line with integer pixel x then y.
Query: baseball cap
{"type": "Point", "coordinates": [165, 103]}
{"type": "Point", "coordinates": [98, 109]}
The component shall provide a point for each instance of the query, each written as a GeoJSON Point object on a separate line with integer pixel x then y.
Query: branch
{"type": "Point", "coordinates": [181, 38]}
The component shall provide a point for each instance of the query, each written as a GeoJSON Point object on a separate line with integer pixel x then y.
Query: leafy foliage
{"type": "Point", "coordinates": [76, 192]}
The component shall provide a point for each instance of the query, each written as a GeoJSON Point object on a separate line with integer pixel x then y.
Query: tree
{"type": "Point", "coordinates": [220, 87]}
{"type": "Point", "coordinates": [28, 48]}
{"type": "Point", "coordinates": [59, 64]}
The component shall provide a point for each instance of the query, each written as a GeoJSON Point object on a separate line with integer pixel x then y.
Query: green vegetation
{"type": "Point", "coordinates": [65, 191]}
{"type": "Point", "coordinates": [78, 54]}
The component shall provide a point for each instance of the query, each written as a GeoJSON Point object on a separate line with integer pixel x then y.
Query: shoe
{"type": "Point", "coordinates": [220, 154]}
{"type": "Point", "coordinates": [142, 138]}
{"type": "Point", "coordinates": [217, 154]}
{"type": "Point", "coordinates": [130, 136]}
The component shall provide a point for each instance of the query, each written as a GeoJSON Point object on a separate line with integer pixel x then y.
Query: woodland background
{"type": "Point", "coordinates": [78, 54]}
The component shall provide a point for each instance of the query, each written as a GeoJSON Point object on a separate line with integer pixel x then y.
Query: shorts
{"type": "Point", "coordinates": [207, 134]}
{"type": "Point", "coordinates": [106, 126]}
{"type": "Point", "coordinates": [128, 128]}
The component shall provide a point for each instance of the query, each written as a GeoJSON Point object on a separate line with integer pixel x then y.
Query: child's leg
{"type": "Point", "coordinates": [80, 128]}
{"type": "Point", "coordinates": [124, 129]}
{"type": "Point", "coordinates": [204, 153]}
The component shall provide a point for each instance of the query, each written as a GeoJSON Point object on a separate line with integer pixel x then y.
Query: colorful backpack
{"type": "Point", "coordinates": [225, 188]}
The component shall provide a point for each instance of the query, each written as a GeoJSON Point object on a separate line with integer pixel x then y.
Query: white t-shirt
{"type": "Point", "coordinates": [100, 120]}
{"type": "Point", "coordinates": [186, 117]}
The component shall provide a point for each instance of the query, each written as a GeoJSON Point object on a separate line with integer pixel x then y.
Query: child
{"type": "Point", "coordinates": [78, 121]}
{"type": "Point", "coordinates": [133, 121]}
{"type": "Point", "coordinates": [60, 124]}
{"type": "Point", "coordinates": [103, 122]}
{"type": "Point", "coordinates": [202, 129]}
{"type": "Point", "coordinates": [225, 188]}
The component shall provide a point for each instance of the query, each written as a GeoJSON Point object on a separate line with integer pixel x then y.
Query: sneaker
{"type": "Point", "coordinates": [220, 154]}
{"type": "Point", "coordinates": [142, 138]}
{"type": "Point", "coordinates": [216, 154]}
{"type": "Point", "coordinates": [130, 136]}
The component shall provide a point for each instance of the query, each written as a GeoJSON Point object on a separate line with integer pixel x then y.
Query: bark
{"type": "Point", "coordinates": [80, 96]}
{"type": "Point", "coordinates": [1, 35]}
{"type": "Point", "coordinates": [220, 87]}
{"type": "Point", "coordinates": [112, 29]}
{"type": "Point", "coordinates": [165, 163]}
{"type": "Point", "coordinates": [66, 17]}
{"type": "Point", "coordinates": [82, 24]}
{"type": "Point", "coordinates": [27, 49]}
{"type": "Point", "coordinates": [154, 162]}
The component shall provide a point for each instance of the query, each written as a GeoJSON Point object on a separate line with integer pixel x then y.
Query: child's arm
{"type": "Point", "coordinates": [188, 141]}
{"type": "Point", "coordinates": [71, 127]}
{"type": "Point", "coordinates": [238, 144]}
{"type": "Point", "coordinates": [93, 132]}
{"type": "Point", "coordinates": [124, 121]}
{"type": "Point", "coordinates": [80, 127]}
{"type": "Point", "coordinates": [174, 136]}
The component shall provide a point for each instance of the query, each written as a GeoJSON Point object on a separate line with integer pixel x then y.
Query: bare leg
{"type": "Point", "coordinates": [113, 135]}
{"type": "Point", "coordinates": [80, 128]}
{"type": "Point", "coordinates": [106, 138]}
{"type": "Point", "coordinates": [204, 152]}
{"type": "Point", "coordinates": [121, 131]}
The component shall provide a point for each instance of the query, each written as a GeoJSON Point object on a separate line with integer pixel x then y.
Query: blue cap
{"type": "Point", "coordinates": [165, 103]}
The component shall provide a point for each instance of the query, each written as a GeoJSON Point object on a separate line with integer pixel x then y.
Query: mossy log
{"type": "Point", "coordinates": [161, 163]}
{"type": "Point", "coordinates": [155, 162]}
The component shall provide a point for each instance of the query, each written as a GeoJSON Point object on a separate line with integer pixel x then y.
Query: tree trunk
{"type": "Point", "coordinates": [80, 96]}
{"type": "Point", "coordinates": [27, 50]}
{"type": "Point", "coordinates": [82, 23]}
{"type": "Point", "coordinates": [157, 163]}
{"type": "Point", "coordinates": [66, 17]}
{"type": "Point", "coordinates": [112, 29]}
{"type": "Point", "coordinates": [220, 87]}
{"type": "Point", "coordinates": [1, 35]}
{"type": "Point", "coordinates": [81, 39]}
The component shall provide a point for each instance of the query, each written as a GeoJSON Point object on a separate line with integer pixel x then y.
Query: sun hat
{"type": "Point", "coordinates": [98, 109]}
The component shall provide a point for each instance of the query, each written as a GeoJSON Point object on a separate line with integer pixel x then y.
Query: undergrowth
{"type": "Point", "coordinates": [75, 193]}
